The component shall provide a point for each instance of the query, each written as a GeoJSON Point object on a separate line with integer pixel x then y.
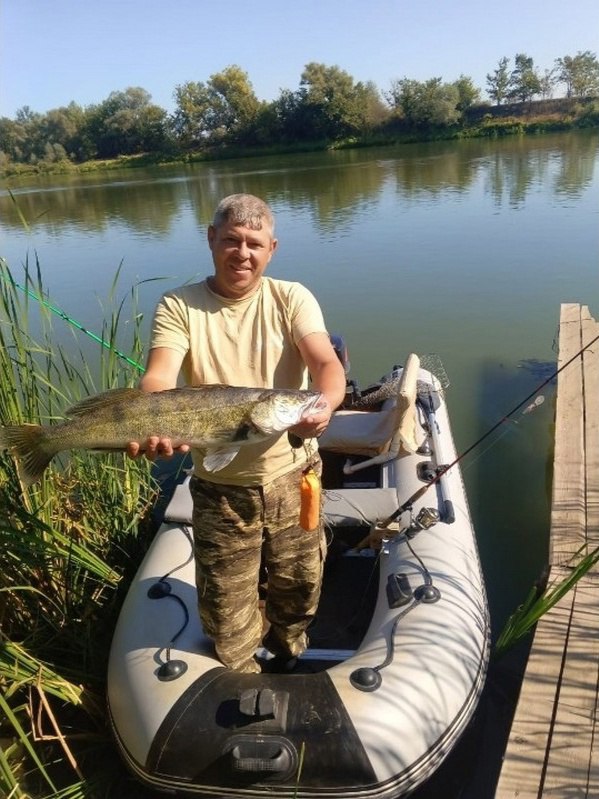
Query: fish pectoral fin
{"type": "Point", "coordinates": [216, 459]}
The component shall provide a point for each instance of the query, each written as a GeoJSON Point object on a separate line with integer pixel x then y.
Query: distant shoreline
{"type": "Point", "coordinates": [494, 122]}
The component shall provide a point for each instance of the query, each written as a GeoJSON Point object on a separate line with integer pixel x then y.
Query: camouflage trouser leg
{"type": "Point", "coordinates": [230, 525]}
{"type": "Point", "coordinates": [294, 562]}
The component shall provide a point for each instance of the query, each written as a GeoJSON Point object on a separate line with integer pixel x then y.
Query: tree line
{"type": "Point", "coordinates": [224, 111]}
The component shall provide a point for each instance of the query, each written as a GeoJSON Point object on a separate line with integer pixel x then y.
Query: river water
{"type": "Point", "coordinates": [464, 250]}
{"type": "Point", "coordinates": [460, 249]}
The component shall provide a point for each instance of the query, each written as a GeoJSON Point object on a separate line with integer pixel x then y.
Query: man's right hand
{"type": "Point", "coordinates": [162, 370]}
{"type": "Point", "coordinates": [156, 447]}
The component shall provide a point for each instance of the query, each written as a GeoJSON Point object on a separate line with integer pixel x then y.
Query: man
{"type": "Point", "coordinates": [240, 328]}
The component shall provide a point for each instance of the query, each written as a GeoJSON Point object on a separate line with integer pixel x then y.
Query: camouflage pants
{"type": "Point", "coordinates": [235, 529]}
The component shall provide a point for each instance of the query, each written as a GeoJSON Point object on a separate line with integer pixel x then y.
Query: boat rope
{"type": "Point", "coordinates": [162, 589]}
{"type": "Point", "coordinates": [443, 470]}
{"type": "Point", "coordinates": [390, 640]}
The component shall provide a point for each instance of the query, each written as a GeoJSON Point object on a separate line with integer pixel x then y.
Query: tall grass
{"type": "Point", "coordinates": [65, 544]}
{"type": "Point", "coordinates": [539, 602]}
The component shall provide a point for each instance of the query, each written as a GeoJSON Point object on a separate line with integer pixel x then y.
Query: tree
{"type": "Point", "coordinates": [28, 132]}
{"type": "Point", "coordinates": [234, 105]}
{"type": "Point", "coordinates": [524, 80]}
{"type": "Point", "coordinates": [425, 103]}
{"type": "Point", "coordinates": [64, 128]}
{"type": "Point", "coordinates": [468, 93]}
{"type": "Point", "coordinates": [547, 82]}
{"type": "Point", "coordinates": [329, 105]}
{"type": "Point", "coordinates": [580, 73]}
{"type": "Point", "coordinates": [191, 120]}
{"type": "Point", "coordinates": [498, 82]}
{"type": "Point", "coordinates": [126, 123]}
{"type": "Point", "coordinates": [223, 108]}
{"type": "Point", "coordinates": [369, 99]}
{"type": "Point", "coordinates": [13, 139]}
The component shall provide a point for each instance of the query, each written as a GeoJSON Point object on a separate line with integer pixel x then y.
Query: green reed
{"type": "Point", "coordinates": [539, 602]}
{"type": "Point", "coordinates": [65, 544]}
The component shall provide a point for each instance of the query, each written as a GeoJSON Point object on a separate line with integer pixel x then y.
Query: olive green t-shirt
{"type": "Point", "coordinates": [247, 342]}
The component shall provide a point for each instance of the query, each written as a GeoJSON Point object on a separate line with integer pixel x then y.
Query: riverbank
{"type": "Point", "coordinates": [517, 119]}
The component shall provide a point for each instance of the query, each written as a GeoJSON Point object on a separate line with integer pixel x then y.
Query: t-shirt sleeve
{"type": "Point", "coordinates": [305, 313]}
{"type": "Point", "coordinates": [170, 326]}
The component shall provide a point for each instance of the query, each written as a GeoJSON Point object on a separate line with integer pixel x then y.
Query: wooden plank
{"type": "Point", "coordinates": [568, 523]}
{"type": "Point", "coordinates": [590, 331]}
{"type": "Point", "coordinates": [594, 760]}
{"type": "Point", "coordinates": [524, 763]}
{"type": "Point", "coordinates": [573, 729]}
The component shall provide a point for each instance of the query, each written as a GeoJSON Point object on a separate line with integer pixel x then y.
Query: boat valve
{"type": "Point", "coordinates": [426, 518]}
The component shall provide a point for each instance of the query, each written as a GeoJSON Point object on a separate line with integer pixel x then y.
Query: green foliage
{"type": "Point", "coordinates": [588, 116]}
{"type": "Point", "coordinates": [64, 546]}
{"type": "Point", "coordinates": [330, 105]}
{"type": "Point", "coordinates": [524, 81]}
{"type": "Point", "coordinates": [538, 603]}
{"type": "Point", "coordinates": [498, 81]}
{"type": "Point", "coordinates": [222, 116]}
{"type": "Point", "coordinates": [430, 103]}
{"type": "Point", "coordinates": [224, 109]}
{"type": "Point", "coordinates": [234, 104]}
{"type": "Point", "coordinates": [579, 73]}
{"type": "Point", "coordinates": [468, 94]}
{"type": "Point", "coordinates": [124, 124]}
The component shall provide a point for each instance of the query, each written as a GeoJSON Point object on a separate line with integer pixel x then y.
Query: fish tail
{"type": "Point", "coordinates": [32, 448]}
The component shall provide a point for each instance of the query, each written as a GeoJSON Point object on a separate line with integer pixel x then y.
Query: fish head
{"type": "Point", "coordinates": [278, 410]}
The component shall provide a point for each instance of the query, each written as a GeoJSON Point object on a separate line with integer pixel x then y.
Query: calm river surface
{"type": "Point", "coordinates": [462, 249]}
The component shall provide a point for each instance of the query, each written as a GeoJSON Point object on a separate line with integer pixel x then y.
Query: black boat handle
{"type": "Point", "coordinates": [279, 761]}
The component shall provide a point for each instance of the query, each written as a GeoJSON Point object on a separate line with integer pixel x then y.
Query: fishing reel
{"type": "Point", "coordinates": [425, 519]}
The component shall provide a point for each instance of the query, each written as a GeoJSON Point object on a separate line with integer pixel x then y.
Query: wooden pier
{"type": "Point", "coordinates": [553, 746]}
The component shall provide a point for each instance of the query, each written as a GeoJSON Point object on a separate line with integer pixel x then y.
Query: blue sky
{"type": "Point", "coordinates": [55, 51]}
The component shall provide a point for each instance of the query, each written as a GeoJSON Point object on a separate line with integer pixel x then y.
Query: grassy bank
{"type": "Point", "coordinates": [65, 545]}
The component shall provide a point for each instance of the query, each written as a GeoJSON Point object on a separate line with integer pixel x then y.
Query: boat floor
{"type": "Point", "coordinates": [350, 582]}
{"type": "Point", "coordinates": [349, 592]}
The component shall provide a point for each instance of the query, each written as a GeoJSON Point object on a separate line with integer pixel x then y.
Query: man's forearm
{"type": "Point", "coordinates": [150, 382]}
{"type": "Point", "coordinates": [329, 379]}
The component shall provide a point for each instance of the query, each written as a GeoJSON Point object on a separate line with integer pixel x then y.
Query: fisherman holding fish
{"type": "Point", "coordinates": [239, 328]}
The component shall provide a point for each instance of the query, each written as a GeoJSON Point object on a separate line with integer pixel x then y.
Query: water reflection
{"type": "Point", "coordinates": [333, 186]}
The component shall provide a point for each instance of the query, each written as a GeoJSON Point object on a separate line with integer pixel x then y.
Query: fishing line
{"type": "Point", "coordinates": [65, 317]}
{"type": "Point", "coordinates": [417, 494]}
{"type": "Point", "coordinates": [507, 430]}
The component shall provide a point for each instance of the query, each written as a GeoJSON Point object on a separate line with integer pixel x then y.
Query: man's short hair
{"type": "Point", "coordinates": [246, 210]}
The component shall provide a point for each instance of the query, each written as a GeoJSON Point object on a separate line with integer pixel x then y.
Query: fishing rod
{"type": "Point", "coordinates": [59, 312]}
{"type": "Point", "coordinates": [444, 469]}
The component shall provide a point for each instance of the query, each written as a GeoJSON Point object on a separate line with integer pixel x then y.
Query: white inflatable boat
{"type": "Point", "coordinates": [398, 651]}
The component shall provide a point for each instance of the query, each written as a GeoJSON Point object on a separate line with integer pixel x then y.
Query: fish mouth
{"type": "Point", "coordinates": [286, 411]}
{"type": "Point", "coordinates": [316, 404]}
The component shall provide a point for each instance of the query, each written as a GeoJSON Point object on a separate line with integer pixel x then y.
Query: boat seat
{"type": "Point", "coordinates": [379, 435]}
{"type": "Point", "coordinates": [349, 507]}
{"type": "Point", "coordinates": [179, 510]}
{"type": "Point", "coordinates": [341, 506]}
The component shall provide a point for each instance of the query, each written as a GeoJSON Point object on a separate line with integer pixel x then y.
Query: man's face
{"type": "Point", "coordinates": [240, 257]}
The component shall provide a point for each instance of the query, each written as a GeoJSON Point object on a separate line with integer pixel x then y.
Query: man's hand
{"type": "Point", "coordinates": [156, 447]}
{"type": "Point", "coordinates": [314, 424]}
{"type": "Point", "coordinates": [162, 370]}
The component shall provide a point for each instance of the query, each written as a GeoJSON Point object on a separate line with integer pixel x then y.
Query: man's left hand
{"type": "Point", "coordinates": [314, 425]}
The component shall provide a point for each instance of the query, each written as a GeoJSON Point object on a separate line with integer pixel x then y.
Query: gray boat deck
{"type": "Point", "coordinates": [553, 746]}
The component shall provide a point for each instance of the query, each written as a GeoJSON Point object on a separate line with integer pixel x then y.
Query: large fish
{"type": "Point", "coordinates": [217, 419]}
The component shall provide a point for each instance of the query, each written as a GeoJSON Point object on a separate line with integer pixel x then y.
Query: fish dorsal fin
{"type": "Point", "coordinates": [103, 400]}
{"type": "Point", "coordinates": [216, 459]}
